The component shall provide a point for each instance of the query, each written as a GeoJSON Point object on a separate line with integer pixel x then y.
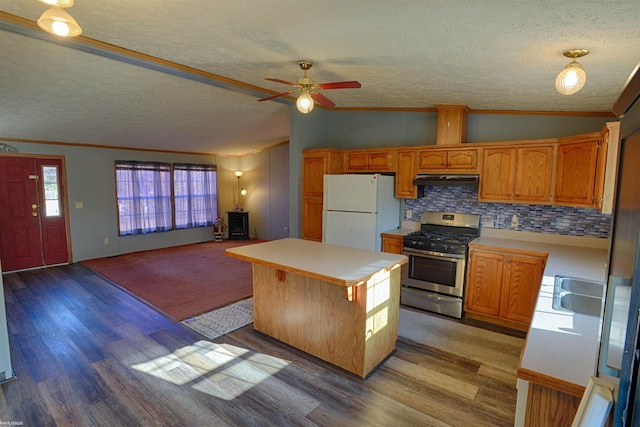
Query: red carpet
{"type": "Point", "coordinates": [182, 281]}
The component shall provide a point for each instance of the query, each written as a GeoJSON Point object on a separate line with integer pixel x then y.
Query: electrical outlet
{"type": "Point", "coordinates": [514, 220]}
{"type": "Point", "coordinates": [408, 214]}
{"type": "Point", "coordinates": [106, 240]}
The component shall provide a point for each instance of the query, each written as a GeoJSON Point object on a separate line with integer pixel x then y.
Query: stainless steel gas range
{"type": "Point", "coordinates": [435, 275]}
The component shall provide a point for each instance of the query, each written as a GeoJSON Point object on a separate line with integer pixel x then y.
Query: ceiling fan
{"type": "Point", "coordinates": [309, 91]}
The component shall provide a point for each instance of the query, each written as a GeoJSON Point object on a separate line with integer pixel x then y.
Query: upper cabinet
{"type": "Point", "coordinates": [451, 160]}
{"type": "Point", "coordinates": [452, 124]}
{"type": "Point", "coordinates": [315, 164]}
{"type": "Point", "coordinates": [575, 171]}
{"type": "Point", "coordinates": [580, 171]}
{"type": "Point", "coordinates": [517, 174]}
{"type": "Point", "coordinates": [496, 176]}
{"type": "Point", "coordinates": [533, 174]}
{"type": "Point", "coordinates": [610, 144]}
{"type": "Point", "coordinates": [369, 160]}
{"type": "Point", "coordinates": [405, 173]}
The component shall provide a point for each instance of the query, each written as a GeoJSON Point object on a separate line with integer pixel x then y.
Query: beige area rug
{"type": "Point", "coordinates": [498, 350]}
{"type": "Point", "coordinates": [223, 320]}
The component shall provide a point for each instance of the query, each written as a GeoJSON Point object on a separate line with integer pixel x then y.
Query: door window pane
{"type": "Point", "coordinates": [51, 189]}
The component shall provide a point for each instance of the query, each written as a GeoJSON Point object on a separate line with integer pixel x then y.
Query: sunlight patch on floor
{"type": "Point", "coordinates": [221, 370]}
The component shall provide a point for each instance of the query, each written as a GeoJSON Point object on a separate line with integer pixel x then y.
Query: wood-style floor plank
{"type": "Point", "coordinates": [87, 353]}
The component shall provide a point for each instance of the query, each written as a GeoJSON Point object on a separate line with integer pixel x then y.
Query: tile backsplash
{"type": "Point", "coordinates": [534, 218]}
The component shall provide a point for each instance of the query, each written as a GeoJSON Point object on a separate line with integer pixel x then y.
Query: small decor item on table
{"type": "Point", "coordinates": [218, 230]}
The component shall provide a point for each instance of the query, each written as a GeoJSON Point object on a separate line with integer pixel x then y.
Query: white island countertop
{"type": "Point", "coordinates": [561, 346]}
{"type": "Point", "coordinates": [335, 264]}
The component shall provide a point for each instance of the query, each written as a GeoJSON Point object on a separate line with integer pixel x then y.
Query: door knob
{"type": "Point", "coordinates": [34, 206]}
{"type": "Point", "coordinates": [34, 213]}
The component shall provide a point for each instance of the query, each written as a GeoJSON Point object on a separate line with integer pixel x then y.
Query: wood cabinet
{"type": "Point", "coordinates": [517, 174]}
{"type": "Point", "coordinates": [327, 312]}
{"type": "Point", "coordinates": [392, 243]}
{"type": "Point", "coordinates": [533, 174]}
{"type": "Point", "coordinates": [610, 141]}
{"type": "Point", "coordinates": [315, 164]}
{"type": "Point", "coordinates": [451, 160]}
{"type": "Point", "coordinates": [312, 218]}
{"type": "Point", "coordinates": [452, 124]}
{"type": "Point", "coordinates": [369, 160]}
{"type": "Point", "coordinates": [547, 407]}
{"type": "Point", "coordinates": [503, 285]}
{"type": "Point", "coordinates": [405, 173]}
{"type": "Point", "coordinates": [580, 171]}
{"type": "Point", "coordinates": [496, 176]}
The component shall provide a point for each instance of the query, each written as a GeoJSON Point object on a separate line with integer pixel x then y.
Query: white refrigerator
{"type": "Point", "coordinates": [357, 208]}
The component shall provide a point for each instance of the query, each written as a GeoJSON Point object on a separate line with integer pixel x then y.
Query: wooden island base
{"type": "Point", "coordinates": [346, 315]}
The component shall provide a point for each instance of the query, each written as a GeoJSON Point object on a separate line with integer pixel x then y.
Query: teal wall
{"type": "Point", "coordinates": [366, 129]}
{"type": "Point", "coordinates": [91, 180]}
{"type": "Point", "coordinates": [272, 177]}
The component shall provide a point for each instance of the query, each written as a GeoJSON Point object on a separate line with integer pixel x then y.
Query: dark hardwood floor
{"type": "Point", "coordinates": [86, 353]}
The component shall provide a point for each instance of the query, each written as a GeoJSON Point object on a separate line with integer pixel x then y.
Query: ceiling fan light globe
{"type": "Point", "coordinates": [305, 103]}
{"type": "Point", "coordinates": [57, 21]}
{"type": "Point", "coordinates": [59, 3]}
{"type": "Point", "coordinates": [571, 79]}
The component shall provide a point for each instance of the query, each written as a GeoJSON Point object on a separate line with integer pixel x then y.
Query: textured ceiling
{"type": "Point", "coordinates": [487, 54]}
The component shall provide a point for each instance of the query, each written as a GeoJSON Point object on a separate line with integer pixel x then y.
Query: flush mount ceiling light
{"type": "Point", "coordinates": [56, 20]}
{"type": "Point", "coordinates": [59, 3]}
{"type": "Point", "coordinates": [572, 78]}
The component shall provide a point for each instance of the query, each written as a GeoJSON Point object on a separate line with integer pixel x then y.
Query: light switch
{"type": "Point", "coordinates": [79, 205]}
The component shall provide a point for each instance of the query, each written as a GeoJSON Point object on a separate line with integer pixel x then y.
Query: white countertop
{"type": "Point", "coordinates": [560, 344]}
{"type": "Point", "coordinates": [340, 265]}
{"type": "Point", "coordinates": [399, 231]}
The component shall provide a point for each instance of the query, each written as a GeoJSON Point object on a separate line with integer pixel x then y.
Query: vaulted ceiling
{"type": "Point", "coordinates": [185, 76]}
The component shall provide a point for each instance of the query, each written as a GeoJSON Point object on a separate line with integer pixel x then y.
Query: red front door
{"type": "Point", "coordinates": [33, 230]}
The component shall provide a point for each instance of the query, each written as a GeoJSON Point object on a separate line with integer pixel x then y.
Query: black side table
{"type": "Point", "coordinates": [238, 225]}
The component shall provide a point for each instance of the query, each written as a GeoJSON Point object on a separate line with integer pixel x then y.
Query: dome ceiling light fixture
{"type": "Point", "coordinates": [56, 20]}
{"type": "Point", "coordinates": [572, 78]}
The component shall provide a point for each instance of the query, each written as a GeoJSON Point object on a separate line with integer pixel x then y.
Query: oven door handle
{"type": "Point", "coordinates": [440, 297]}
{"type": "Point", "coordinates": [431, 254]}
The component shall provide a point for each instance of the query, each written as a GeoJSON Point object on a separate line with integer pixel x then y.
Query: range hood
{"type": "Point", "coordinates": [446, 180]}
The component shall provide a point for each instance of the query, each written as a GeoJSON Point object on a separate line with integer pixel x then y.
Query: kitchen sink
{"type": "Point", "coordinates": [578, 296]}
{"type": "Point", "coordinates": [579, 286]}
{"type": "Point", "coordinates": [581, 304]}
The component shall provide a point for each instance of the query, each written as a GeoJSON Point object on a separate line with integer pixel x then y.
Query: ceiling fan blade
{"type": "Point", "coordinates": [322, 100]}
{"type": "Point", "coordinates": [275, 96]}
{"type": "Point", "coordinates": [282, 81]}
{"type": "Point", "coordinates": [340, 85]}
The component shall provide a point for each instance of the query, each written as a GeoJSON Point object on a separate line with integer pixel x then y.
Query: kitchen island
{"type": "Point", "coordinates": [336, 303]}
